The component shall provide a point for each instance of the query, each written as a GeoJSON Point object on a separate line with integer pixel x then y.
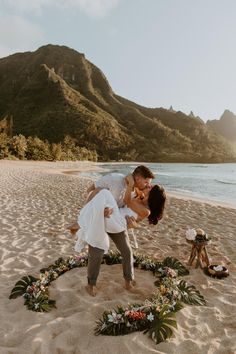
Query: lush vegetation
{"type": "Point", "coordinates": [33, 148]}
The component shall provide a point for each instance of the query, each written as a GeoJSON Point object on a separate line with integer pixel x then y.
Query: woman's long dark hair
{"type": "Point", "coordinates": [156, 203]}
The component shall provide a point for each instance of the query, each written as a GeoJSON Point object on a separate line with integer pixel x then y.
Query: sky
{"type": "Point", "coordinates": [156, 53]}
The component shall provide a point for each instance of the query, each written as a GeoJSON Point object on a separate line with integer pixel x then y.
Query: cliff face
{"type": "Point", "coordinates": [55, 91]}
{"type": "Point", "coordinates": [226, 126]}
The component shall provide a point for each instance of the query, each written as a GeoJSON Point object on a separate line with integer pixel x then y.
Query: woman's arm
{"type": "Point", "coordinates": [140, 209]}
{"type": "Point", "coordinates": [135, 205]}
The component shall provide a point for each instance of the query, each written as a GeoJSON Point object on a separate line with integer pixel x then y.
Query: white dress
{"type": "Point", "coordinates": [94, 226]}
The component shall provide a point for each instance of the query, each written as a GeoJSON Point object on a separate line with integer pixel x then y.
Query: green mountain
{"type": "Point", "coordinates": [55, 91]}
{"type": "Point", "coordinates": [225, 126]}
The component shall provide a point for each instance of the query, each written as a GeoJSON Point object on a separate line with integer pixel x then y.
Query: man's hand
{"type": "Point", "coordinates": [108, 212]}
{"type": "Point", "coordinates": [131, 222]}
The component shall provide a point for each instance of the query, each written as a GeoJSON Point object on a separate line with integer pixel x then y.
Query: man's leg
{"type": "Point", "coordinates": [121, 241]}
{"type": "Point", "coordinates": [94, 263]}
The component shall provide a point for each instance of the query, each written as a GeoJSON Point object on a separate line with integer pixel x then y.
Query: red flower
{"type": "Point", "coordinates": [136, 315]}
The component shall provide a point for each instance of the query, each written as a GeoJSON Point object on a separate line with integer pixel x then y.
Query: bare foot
{"type": "Point", "coordinates": [73, 228]}
{"type": "Point", "coordinates": [128, 285]}
{"type": "Point", "coordinates": [91, 290]}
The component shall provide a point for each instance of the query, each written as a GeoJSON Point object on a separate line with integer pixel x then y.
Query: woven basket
{"type": "Point", "coordinates": [219, 273]}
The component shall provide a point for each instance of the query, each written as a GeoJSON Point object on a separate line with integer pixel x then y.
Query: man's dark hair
{"type": "Point", "coordinates": [143, 171]}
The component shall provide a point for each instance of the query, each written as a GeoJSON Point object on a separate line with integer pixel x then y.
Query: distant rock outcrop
{"type": "Point", "coordinates": [171, 109]}
{"type": "Point", "coordinates": [191, 114]}
{"type": "Point", "coordinates": [226, 126]}
{"type": "Point", "coordinates": [55, 92]}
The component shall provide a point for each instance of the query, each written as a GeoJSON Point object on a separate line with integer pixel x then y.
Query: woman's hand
{"type": "Point", "coordinates": [131, 222]}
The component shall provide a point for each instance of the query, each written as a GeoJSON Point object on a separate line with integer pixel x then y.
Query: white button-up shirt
{"type": "Point", "coordinates": [115, 183]}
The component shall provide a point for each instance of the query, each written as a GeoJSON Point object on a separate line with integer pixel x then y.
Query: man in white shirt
{"type": "Point", "coordinates": [116, 184]}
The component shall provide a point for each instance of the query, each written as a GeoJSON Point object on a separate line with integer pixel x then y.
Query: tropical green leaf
{"type": "Point", "coordinates": [190, 295]}
{"type": "Point", "coordinates": [21, 286]}
{"type": "Point", "coordinates": [178, 306]}
{"type": "Point", "coordinates": [47, 306]}
{"type": "Point", "coordinates": [112, 258]}
{"type": "Point", "coordinates": [162, 326]}
{"type": "Point", "coordinates": [176, 265]}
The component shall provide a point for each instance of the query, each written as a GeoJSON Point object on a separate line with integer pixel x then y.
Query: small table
{"type": "Point", "coordinates": [199, 251]}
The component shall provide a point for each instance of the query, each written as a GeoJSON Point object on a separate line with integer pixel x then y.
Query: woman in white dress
{"type": "Point", "coordinates": [94, 227]}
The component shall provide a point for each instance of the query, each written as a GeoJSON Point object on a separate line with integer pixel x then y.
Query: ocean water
{"type": "Point", "coordinates": [214, 182]}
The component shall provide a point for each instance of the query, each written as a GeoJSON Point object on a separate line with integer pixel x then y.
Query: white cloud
{"type": "Point", "coordinates": [18, 34]}
{"type": "Point", "coordinates": [93, 8]}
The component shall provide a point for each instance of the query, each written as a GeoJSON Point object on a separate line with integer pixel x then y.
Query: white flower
{"type": "Point", "coordinates": [191, 234]}
{"type": "Point", "coordinates": [110, 318]}
{"type": "Point", "coordinates": [71, 262]}
{"type": "Point", "coordinates": [150, 317]}
{"type": "Point", "coordinates": [115, 317]}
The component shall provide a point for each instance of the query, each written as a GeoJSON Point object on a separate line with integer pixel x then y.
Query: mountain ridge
{"type": "Point", "coordinates": [55, 91]}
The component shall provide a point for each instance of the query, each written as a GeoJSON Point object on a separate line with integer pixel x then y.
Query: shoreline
{"type": "Point", "coordinates": [174, 194]}
{"type": "Point", "coordinates": [202, 200]}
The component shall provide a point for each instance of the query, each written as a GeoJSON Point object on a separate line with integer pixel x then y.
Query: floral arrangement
{"type": "Point", "coordinates": [197, 235]}
{"type": "Point", "coordinates": [155, 316]}
{"type": "Point", "coordinates": [35, 290]}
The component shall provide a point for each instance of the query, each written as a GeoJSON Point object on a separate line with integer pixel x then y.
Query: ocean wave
{"type": "Point", "coordinates": [199, 166]}
{"type": "Point", "coordinates": [165, 174]}
{"type": "Point", "coordinates": [225, 182]}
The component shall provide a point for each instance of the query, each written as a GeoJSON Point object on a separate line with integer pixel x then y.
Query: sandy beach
{"type": "Point", "coordinates": [37, 203]}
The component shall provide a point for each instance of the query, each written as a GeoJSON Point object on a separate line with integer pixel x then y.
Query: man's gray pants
{"type": "Point", "coordinates": [95, 255]}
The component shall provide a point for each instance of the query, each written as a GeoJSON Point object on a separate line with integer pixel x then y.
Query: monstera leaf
{"type": "Point", "coordinates": [176, 265]}
{"type": "Point", "coordinates": [21, 286]}
{"type": "Point", "coordinates": [190, 295]}
{"type": "Point", "coordinates": [162, 326]}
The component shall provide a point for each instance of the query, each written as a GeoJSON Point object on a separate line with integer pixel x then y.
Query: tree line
{"type": "Point", "coordinates": [33, 148]}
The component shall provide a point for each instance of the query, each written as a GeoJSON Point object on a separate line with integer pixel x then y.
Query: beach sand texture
{"type": "Point", "coordinates": [37, 203]}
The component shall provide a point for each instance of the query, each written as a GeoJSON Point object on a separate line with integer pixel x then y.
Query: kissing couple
{"type": "Point", "coordinates": [115, 203]}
